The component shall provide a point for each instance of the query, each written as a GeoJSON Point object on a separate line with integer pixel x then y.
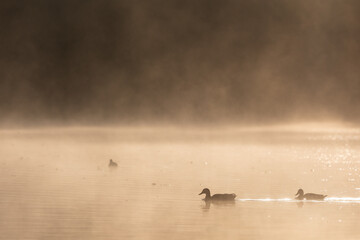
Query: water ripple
{"type": "Point", "coordinates": [329, 199]}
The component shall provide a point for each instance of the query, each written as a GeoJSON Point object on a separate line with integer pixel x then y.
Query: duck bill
{"type": "Point", "coordinates": [200, 193]}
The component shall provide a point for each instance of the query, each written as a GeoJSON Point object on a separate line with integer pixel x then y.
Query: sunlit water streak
{"type": "Point", "coordinates": [343, 199]}
{"type": "Point", "coordinates": [266, 200]}
{"type": "Point", "coordinates": [328, 199]}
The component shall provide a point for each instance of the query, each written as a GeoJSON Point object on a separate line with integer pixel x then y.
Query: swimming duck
{"type": "Point", "coordinates": [112, 163]}
{"type": "Point", "coordinates": [308, 196]}
{"type": "Point", "coordinates": [217, 197]}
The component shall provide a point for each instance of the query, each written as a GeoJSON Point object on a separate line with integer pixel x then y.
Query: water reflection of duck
{"type": "Point", "coordinates": [112, 163]}
{"type": "Point", "coordinates": [309, 196]}
{"type": "Point", "coordinates": [300, 204]}
{"type": "Point", "coordinates": [217, 197]}
{"type": "Point", "coordinates": [208, 204]}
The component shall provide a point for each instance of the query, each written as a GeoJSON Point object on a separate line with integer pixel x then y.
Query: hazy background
{"type": "Point", "coordinates": [179, 61]}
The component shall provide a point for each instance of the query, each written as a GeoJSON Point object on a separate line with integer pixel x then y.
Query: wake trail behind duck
{"type": "Point", "coordinates": [327, 199]}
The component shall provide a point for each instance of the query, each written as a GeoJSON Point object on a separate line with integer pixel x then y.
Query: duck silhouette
{"type": "Point", "coordinates": [308, 196]}
{"type": "Point", "coordinates": [217, 197]}
{"type": "Point", "coordinates": [112, 164]}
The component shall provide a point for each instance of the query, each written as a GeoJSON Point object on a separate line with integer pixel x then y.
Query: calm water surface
{"type": "Point", "coordinates": [55, 183]}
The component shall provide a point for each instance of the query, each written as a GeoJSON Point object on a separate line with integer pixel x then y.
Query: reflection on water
{"type": "Point", "coordinates": [208, 204]}
{"type": "Point", "coordinates": [328, 199]}
{"type": "Point", "coordinates": [56, 184]}
{"type": "Point", "coordinates": [343, 199]}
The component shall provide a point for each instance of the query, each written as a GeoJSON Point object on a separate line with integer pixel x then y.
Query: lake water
{"type": "Point", "coordinates": [56, 184]}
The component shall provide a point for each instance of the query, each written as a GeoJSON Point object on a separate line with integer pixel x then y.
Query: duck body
{"type": "Point", "coordinates": [112, 164]}
{"type": "Point", "coordinates": [308, 196]}
{"type": "Point", "coordinates": [217, 197]}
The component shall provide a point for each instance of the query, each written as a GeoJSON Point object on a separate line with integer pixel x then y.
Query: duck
{"type": "Point", "coordinates": [308, 196]}
{"type": "Point", "coordinates": [112, 163]}
{"type": "Point", "coordinates": [217, 197]}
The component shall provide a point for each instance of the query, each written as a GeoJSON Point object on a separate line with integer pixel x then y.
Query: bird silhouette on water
{"type": "Point", "coordinates": [217, 197]}
{"type": "Point", "coordinates": [112, 164]}
{"type": "Point", "coordinates": [308, 196]}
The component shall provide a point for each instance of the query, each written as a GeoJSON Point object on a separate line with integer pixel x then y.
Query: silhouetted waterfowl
{"type": "Point", "coordinates": [217, 197]}
{"type": "Point", "coordinates": [112, 163]}
{"type": "Point", "coordinates": [308, 196]}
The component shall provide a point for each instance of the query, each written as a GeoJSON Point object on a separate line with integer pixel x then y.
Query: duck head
{"type": "Point", "coordinates": [300, 192]}
{"type": "Point", "coordinates": [205, 191]}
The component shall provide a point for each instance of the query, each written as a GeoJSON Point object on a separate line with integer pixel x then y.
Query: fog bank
{"type": "Point", "coordinates": [173, 61]}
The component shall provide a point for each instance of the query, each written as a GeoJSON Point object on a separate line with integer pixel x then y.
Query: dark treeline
{"type": "Point", "coordinates": [179, 60]}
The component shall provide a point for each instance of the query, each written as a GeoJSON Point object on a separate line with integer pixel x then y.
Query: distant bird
{"type": "Point", "coordinates": [217, 197]}
{"type": "Point", "coordinates": [309, 196]}
{"type": "Point", "coordinates": [112, 163]}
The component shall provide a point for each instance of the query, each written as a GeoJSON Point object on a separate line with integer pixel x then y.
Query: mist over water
{"type": "Point", "coordinates": [105, 62]}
